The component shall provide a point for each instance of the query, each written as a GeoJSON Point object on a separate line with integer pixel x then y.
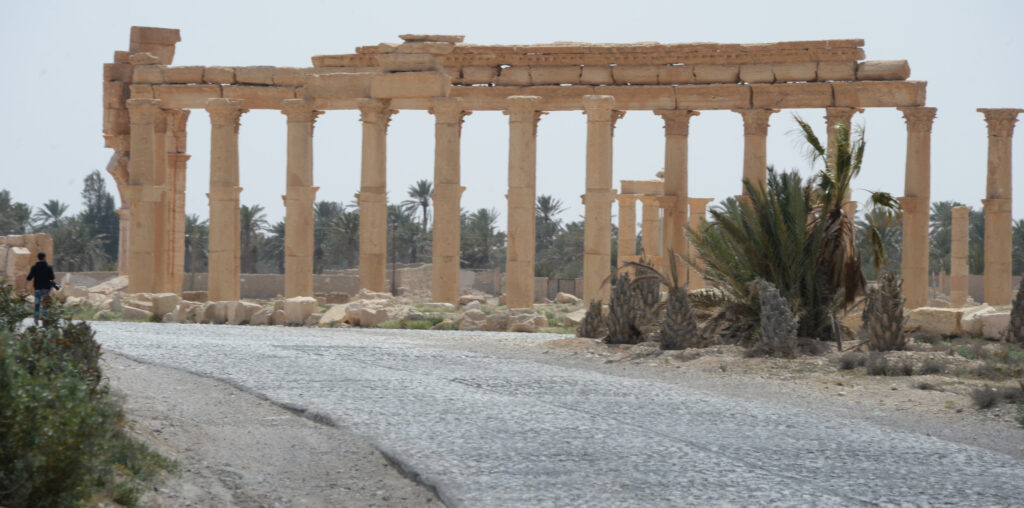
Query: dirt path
{"type": "Point", "coordinates": [236, 449]}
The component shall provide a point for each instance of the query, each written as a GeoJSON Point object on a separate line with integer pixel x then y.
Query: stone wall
{"type": "Point", "coordinates": [975, 285]}
{"type": "Point", "coordinates": [18, 254]}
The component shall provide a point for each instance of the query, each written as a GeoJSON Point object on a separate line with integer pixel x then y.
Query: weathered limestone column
{"type": "Point", "coordinates": [178, 163]}
{"type": "Point", "coordinates": [225, 236]}
{"type": "Point", "coordinates": [677, 132]}
{"type": "Point", "coordinates": [144, 195]}
{"type": "Point", "coordinates": [627, 226]}
{"type": "Point", "coordinates": [372, 197]}
{"type": "Point", "coordinates": [522, 197]}
{"type": "Point", "coordinates": [755, 144]}
{"type": "Point", "coordinates": [597, 233]}
{"type": "Point", "coordinates": [916, 203]}
{"type": "Point", "coordinates": [124, 227]}
{"type": "Point", "coordinates": [833, 118]}
{"type": "Point", "coordinates": [162, 224]}
{"type": "Point", "coordinates": [958, 263]}
{"type": "Point", "coordinates": [650, 222]}
{"type": "Point", "coordinates": [998, 205]}
{"type": "Point", "coordinates": [298, 199]}
{"type": "Point", "coordinates": [448, 116]}
{"type": "Point", "coordinates": [698, 211]}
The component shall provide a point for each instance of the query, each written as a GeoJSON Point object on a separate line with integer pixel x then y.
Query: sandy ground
{"type": "Point", "coordinates": [236, 449]}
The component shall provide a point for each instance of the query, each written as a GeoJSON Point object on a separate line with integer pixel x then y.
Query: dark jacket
{"type": "Point", "coordinates": [41, 275]}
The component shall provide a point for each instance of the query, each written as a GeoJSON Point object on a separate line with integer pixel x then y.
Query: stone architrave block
{"type": "Point", "coordinates": [340, 85]}
{"type": "Point", "coordinates": [879, 94]}
{"type": "Point", "coordinates": [635, 74]}
{"type": "Point", "coordinates": [186, 96]}
{"type": "Point", "coordinates": [122, 56]}
{"type": "Point", "coordinates": [640, 98]}
{"type": "Point", "coordinates": [149, 74]}
{"type": "Point", "coordinates": [478, 75]}
{"type": "Point", "coordinates": [184, 74]}
{"type": "Point", "coordinates": [141, 91]}
{"type": "Point", "coordinates": [433, 48]}
{"type": "Point", "coordinates": [219, 75]}
{"type": "Point", "coordinates": [258, 97]}
{"type": "Point", "coordinates": [514, 76]}
{"type": "Point", "coordinates": [883, 70]}
{"type": "Point", "coordinates": [115, 121]}
{"type": "Point", "coordinates": [713, 97]}
{"type": "Point", "coordinates": [255, 75]}
{"type": "Point", "coordinates": [795, 71]}
{"type": "Point", "coordinates": [555, 75]}
{"type": "Point", "coordinates": [401, 85]}
{"type": "Point", "coordinates": [995, 324]}
{"type": "Point", "coordinates": [934, 321]}
{"type": "Point", "coordinates": [117, 72]}
{"type": "Point", "coordinates": [134, 313]}
{"type": "Point", "coordinates": [164, 303]}
{"type": "Point", "coordinates": [299, 308]}
{"type": "Point", "coordinates": [675, 74]}
{"type": "Point", "coordinates": [712, 73]}
{"type": "Point", "coordinates": [115, 93]}
{"type": "Point", "coordinates": [757, 73]}
{"type": "Point", "coordinates": [596, 75]}
{"type": "Point", "coordinates": [792, 95]}
{"type": "Point", "coordinates": [408, 62]}
{"type": "Point", "coordinates": [289, 76]}
{"type": "Point", "coordinates": [837, 71]}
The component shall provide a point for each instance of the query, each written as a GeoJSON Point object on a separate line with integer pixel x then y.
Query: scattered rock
{"type": "Point", "coordinates": [473, 305]}
{"type": "Point", "coordinates": [280, 318]}
{"type": "Point", "coordinates": [134, 313]}
{"type": "Point", "coordinates": [299, 308]}
{"type": "Point", "coordinates": [439, 307]}
{"type": "Point", "coordinates": [366, 294]}
{"type": "Point", "coordinates": [262, 317]}
{"type": "Point", "coordinates": [934, 321]}
{"type": "Point", "coordinates": [164, 303]}
{"type": "Point", "coordinates": [465, 299]}
{"type": "Point", "coordinates": [574, 318]}
{"type": "Point", "coordinates": [566, 298]}
{"type": "Point", "coordinates": [995, 324]}
{"type": "Point", "coordinates": [497, 322]}
{"type": "Point", "coordinates": [313, 319]}
{"type": "Point", "coordinates": [117, 284]}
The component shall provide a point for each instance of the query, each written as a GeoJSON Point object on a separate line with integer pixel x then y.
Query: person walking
{"type": "Point", "coordinates": [42, 279]}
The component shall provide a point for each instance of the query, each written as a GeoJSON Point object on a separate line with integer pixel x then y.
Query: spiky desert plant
{"type": "Point", "coordinates": [592, 325]}
{"type": "Point", "coordinates": [648, 289]}
{"type": "Point", "coordinates": [1015, 332]}
{"type": "Point", "coordinates": [883, 315]}
{"type": "Point", "coordinates": [778, 324]}
{"type": "Point", "coordinates": [678, 327]}
{"type": "Point", "coordinates": [623, 311]}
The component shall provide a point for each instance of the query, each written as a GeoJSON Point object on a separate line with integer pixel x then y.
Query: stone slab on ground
{"type": "Point", "coordinates": [236, 449]}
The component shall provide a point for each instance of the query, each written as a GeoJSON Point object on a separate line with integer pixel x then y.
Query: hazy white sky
{"type": "Point", "coordinates": [52, 53]}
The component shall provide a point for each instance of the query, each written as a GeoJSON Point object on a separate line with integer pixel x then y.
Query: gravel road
{"type": "Point", "coordinates": [486, 426]}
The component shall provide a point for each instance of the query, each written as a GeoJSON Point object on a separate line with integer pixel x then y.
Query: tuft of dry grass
{"type": "Point", "coordinates": [984, 397]}
{"type": "Point", "coordinates": [852, 360]}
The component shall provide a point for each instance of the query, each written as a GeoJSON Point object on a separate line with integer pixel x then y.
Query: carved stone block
{"type": "Point", "coordinates": [259, 97]}
{"type": "Point", "coordinates": [477, 75]}
{"type": "Point", "coordinates": [596, 75]}
{"type": "Point", "coordinates": [883, 70]}
{"type": "Point", "coordinates": [219, 75]}
{"type": "Point", "coordinates": [757, 73]}
{"type": "Point", "coordinates": [255, 75]}
{"type": "Point", "coordinates": [185, 74]}
{"type": "Point", "coordinates": [675, 74]}
{"type": "Point", "coordinates": [635, 74]}
{"type": "Point", "coordinates": [555, 75]}
{"type": "Point", "coordinates": [837, 71]}
{"type": "Point", "coordinates": [150, 74]}
{"type": "Point", "coordinates": [514, 76]}
{"type": "Point", "coordinates": [710, 73]}
{"type": "Point", "coordinates": [795, 71]}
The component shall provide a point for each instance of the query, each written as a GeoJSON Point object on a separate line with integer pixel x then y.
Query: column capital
{"type": "Point", "coordinates": [698, 203]}
{"type": "Point", "coordinates": [225, 111]}
{"type": "Point", "coordinates": [448, 110]}
{"type": "Point", "coordinates": [650, 199]}
{"type": "Point", "coordinates": [840, 115]}
{"type": "Point", "coordinates": [1000, 120]}
{"type": "Point", "coordinates": [178, 160]}
{"type": "Point", "coordinates": [375, 111]}
{"type": "Point", "coordinates": [143, 111]}
{"type": "Point", "coordinates": [299, 111]}
{"type": "Point", "coordinates": [523, 108]}
{"type": "Point", "coordinates": [919, 119]}
{"type": "Point", "coordinates": [755, 121]}
{"type": "Point", "coordinates": [627, 199]}
{"type": "Point", "coordinates": [677, 121]}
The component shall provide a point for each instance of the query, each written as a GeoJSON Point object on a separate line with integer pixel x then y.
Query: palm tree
{"type": "Point", "coordinates": [51, 214]}
{"type": "Point", "coordinates": [887, 227]}
{"type": "Point", "coordinates": [940, 235]}
{"type": "Point", "coordinates": [482, 246]}
{"type": "Point", "coordinates": [420, 199]}
{"type": "Point", "coordinates": [76, 248]}
{"type": "Point", "coordinates": [325, 213]}
{"type": "Point", "coordinates": [15, 218]}
{"type": "Point", "coordinates": [197, 236]}
{"type": "Point", "coordinates": [252, 222]}
{"type": "Point", "coordinates": [547, 224]}
{"type": "Point", "coordinates": [272, 250]}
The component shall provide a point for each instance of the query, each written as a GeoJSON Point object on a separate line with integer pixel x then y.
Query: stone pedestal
{"type": "Point", "coordinates": [522, 197]}
{"type": "Point", "coordinates": [225, 236]}
{"type": "Point", "coordinates": [597, 234]}
{"type": "Point", "coordinates": [627, 226]}
{"type": "Point", "coordinates": [916, 204]}
{"type": "Point", "coordinates": [998, 205]}
{"type": "Point", "coordinates": [143, 194]}
{"type": "Point", "coordinates": [676, 193]}
{"type": "Point", "coordinates": [299, 197]}
{"type": "Point", "coordinates": [958, 264]}
{"type": "Point", "coordinates": [448, 116]}
{"type": "Point", "coordinates": [650, 225]}
{"type": "Point", "coordinates": [698, 212]}
{"type": "Point", "coordinates": [755, 144]}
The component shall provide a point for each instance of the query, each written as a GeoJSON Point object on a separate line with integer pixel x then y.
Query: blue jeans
{"type": "Point", "coordinates": [40, 294]}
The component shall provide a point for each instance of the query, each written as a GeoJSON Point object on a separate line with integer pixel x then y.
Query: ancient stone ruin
{"type": "Point", "coordinates": [147, 103]}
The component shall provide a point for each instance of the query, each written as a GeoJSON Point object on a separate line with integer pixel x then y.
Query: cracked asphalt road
{"type": "Point", "coordinates": [497, 429]}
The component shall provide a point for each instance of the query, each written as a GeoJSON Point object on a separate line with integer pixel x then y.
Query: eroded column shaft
{"type": "Point", "coordinates": [627, 227]}
{"type": "Point", "coordinates": [958, 265]}
{"type": "Point", "coordinates": [676, 215]}
{"type": "Point", "coordinates": [448, 116]}
{"type": "Point", "coordinates": [755, 144]}
{"type": "Point", "coordinates": [999, 205]}
{"type": "Point", "coordinates": [143, 195]}
{"type": "Point", "coordinates": [225, 236]}
{"type": "Point", "coordinates": [522, 198]}
{"type": "Point", "coordinates": [299, 197]}
{"type": "Point", "coordinates": [916, 203]}
{"type": "Point", "coordinates": [597, 235]}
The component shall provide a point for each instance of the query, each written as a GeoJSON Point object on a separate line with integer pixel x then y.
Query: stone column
{"type": "Point", "coordinates": [162, 224]}
{"type": "Point", "coordinates": [522, 198]}
{"type": "Point", "coordinates": [958, 256]}
{"type": "Point", "coordinates": [650, 222]}
{"type": "Point", "coordinates": [144, 195]}
{"type": "Point", "coordinates": [698, 211]}
{"type": "Point", "coordinates": [755, 144]}
{"type": "Point", "coordinates": [677, 132]}
{"type": "Point", "coordinates": [225, 235]}
{"type": "Point", "coordinates": [916, 204]}
{"type": "Point", "coordinates": [998, 205]}
{"type": "Point", "coordinates": [448, 116]}
{"type": "Point", "coordinates": [627, 226]}
{"type": "Point", "coordinates": [597, 233]}
{"type": "Point", "coordinates": [178, 162]}
{"type": "Point", "coordinates": [373, 202]}
{"type": "Point", "coordinates": [298, 199]}
{"type": "Point", "coordinates": [124, 226]}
